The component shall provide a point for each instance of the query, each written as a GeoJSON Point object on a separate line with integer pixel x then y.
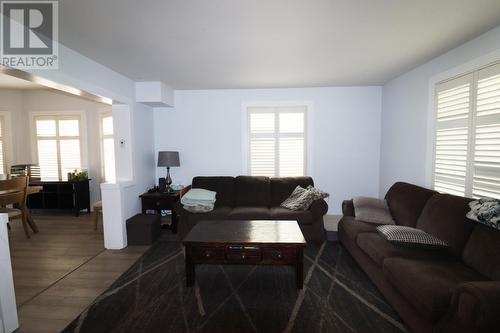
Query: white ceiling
{"type": "Point", "coordinates": [195, 44]}
{"type": "Point", "coordinates": [11, 82]}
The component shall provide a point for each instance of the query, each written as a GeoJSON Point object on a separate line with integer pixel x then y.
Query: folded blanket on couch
{"type": "Point", "coordinates": [198, 200]}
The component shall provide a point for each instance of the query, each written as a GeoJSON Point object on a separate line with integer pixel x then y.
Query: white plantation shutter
{"type": "Point", "coordinates": [47, 159]}
{"type": "Point", "coordinates": [58, 146]}
{"type": "Point", "coordinates": [263, 156]}
{"type": "Point", "coordinates": [467, 148]}
{"type": "Point", "coordinates": [452, 134]}
{"type": "Point", "coordinates": [277, 141]}
{"type": "Point", "coordinates": [108, 147]}
{"type": "Point", "coordinates": [69, 151]}
{"type": "Point", "coordinates": [486, 179]}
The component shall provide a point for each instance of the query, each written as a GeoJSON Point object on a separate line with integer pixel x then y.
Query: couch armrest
{"type": "Point", "coordinates": [348, 208]}
{"type": "Point", "coordinates": [319, 208]}
{"type": "Point", "coordinates": [475, 306]}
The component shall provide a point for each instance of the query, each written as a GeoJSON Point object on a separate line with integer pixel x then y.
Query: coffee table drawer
{"type": "Point", "coordinates": [207, 253]}
{"type": "Point", "coordinates": [277, 255]}
{"type": "Point", "coordinates": [243, 255]}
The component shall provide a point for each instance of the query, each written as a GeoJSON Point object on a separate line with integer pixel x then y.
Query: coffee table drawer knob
{"type": "Point", "coordinates": [279, 255]}
{"type": "Point", "coordinates": [208, 254]}
{"type": "Point", "coordinates": [243, 256]}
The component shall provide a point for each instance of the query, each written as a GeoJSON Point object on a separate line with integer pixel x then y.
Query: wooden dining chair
{"type": "Point", "coordinates": [14, 192]}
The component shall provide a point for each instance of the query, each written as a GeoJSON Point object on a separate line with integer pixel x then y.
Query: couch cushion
{"type": "Point", "coordinates": [250, 213]}
{"type": "Point", "coordinates": [301, 216]}
{"type": "Point", "coordinates": [252, 191]}
{"type": "Point", "coordinates": [282, 187]}
{"type": "Point", "coordinates": [352, 227]}
{"type": "Point", "coordinates": [428, 284]}
{"type": "Point", "coordinates": [482, 251]}
{"type": "Point", "coordinates": [406, 202]}
{"type": "Point", "coordinates": [220, 212]}
{"type": "Point", "coordinates": [378, 249]}
{"type": "Point", "coordinates": [224, 186]}
{"type": "Point", "coordinates": [444, 217]}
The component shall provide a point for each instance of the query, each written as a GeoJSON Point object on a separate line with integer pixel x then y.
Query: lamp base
{"type": "Point", "coordinates": [168, 182]}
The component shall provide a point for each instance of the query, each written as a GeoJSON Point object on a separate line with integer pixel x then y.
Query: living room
{"type": "Point", "coordinates": [247, 104]}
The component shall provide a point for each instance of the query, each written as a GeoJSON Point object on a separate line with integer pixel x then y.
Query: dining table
{"type": "Point", "coordinates": [5, 200]}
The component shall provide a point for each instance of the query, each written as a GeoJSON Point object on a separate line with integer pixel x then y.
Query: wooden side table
{"type": "Point", "coordinates": [159, 201]}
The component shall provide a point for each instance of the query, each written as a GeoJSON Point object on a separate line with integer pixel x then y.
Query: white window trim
{"type": "Point", "coordinates": [7, 137]}
{"type": "Point", "coordinates": [103, 114]}
{"type": "Point", "coordinates": [470, 68]}
{"type": "Point", "coordinates": [84, 153]}
{"type": "Point", "coordinates": [245, 132]}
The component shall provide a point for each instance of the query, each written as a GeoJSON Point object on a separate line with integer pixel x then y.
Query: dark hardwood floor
{"type": "Point", "coordinates": [62, 269]}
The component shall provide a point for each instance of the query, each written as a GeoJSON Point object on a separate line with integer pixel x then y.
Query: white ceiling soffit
{"type": "Point", "coordinates": [199, 44]}
{"type": "Point", "coordinates": [11, 82]}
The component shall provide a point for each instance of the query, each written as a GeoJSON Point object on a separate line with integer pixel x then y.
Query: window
{"type": "Point", "coordinates": [58, 146]}
{"type": "Point", "coordinates": [467, 146]}
{"type": "Point", "coordinates": [277, 141]}
{"type": "Point", "coordinates": [108, 147]}
{"type": "Point", "coordinates": [3, 166]}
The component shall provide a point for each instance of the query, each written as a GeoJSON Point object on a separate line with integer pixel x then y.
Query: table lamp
{"type": "Point", "coordinates": [168, 159]}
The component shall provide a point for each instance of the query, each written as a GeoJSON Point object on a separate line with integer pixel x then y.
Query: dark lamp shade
{"type": "Point", "coordinates": [168, 159]}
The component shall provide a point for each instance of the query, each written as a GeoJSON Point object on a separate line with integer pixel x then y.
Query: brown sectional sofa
{"type": "Point", "coordinates": [452, 290]}
{"type": "Point", "coordinates": [255, 198]}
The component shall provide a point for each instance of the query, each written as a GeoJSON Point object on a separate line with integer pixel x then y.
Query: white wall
{"type": "Point", "coordinates": [20, 103]}
{"type": "Point", "coordinates": [206, 125]}
{"type": "Point", "coordinates": [407, 115]}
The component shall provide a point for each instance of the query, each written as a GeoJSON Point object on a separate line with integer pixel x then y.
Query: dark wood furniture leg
{"type": "Point", "coordinates": [300, 268]}
{"type": "Point", "coordinates": [190, 271]}
{"type": "Point", "coordinates": [174, 222]}
{"type": "Point", "coordinates": [31, 222]}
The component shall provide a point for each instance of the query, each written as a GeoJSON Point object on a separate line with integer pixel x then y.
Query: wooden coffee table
{"type": "Point", "coordinates": [229, 242]}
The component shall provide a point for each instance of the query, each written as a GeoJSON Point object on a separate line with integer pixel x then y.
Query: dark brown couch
{"type": "Point", "coordinates": [453, 290]}
{"type": "Point", "coordinates": [255, 198]}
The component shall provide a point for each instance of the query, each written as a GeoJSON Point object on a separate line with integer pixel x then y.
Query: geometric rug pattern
{"type": "Point", "coordinates": [152, 297]}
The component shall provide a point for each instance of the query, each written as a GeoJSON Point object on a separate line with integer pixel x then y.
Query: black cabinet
{"type": "Point", "coordinates": [61, 195]}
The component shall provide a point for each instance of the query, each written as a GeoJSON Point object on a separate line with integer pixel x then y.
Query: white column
{"type": "Point", "coordinates": [8, 308]}
{"type": "Point", "coordinates": [113, 216]}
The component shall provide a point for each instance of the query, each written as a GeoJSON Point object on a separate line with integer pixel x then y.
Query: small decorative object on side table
{"type": "Point", "coordinates": [159, 201]}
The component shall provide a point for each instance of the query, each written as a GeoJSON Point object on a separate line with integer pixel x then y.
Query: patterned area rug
{"type": "Point", "coordinates": [152, 297]}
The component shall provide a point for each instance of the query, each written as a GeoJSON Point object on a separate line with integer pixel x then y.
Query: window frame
{"type": "Point", "coordinates": [246, 133]}
{"type": "Point", "coordinates": [61, 115]}
{"type": "Point", "coordinates": [473, 74]}
{"type": "Point", "coordinates": [9, 152]}
{"type": "Point", "coordinates": [3, 136]}
{"type": "Point", "coordinates": [102, 115]}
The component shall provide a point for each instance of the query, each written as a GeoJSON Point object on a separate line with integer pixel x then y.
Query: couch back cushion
{"type": "Point", "coordinates": [282, 187]}
{"type": "Point", "coordinates": [482, 251]}
{"type": "Point", "coordinates": [253, 191]}
{"type": "Point", "coordinates": [406, 202]}
{"type": "Point", "coordinates": [444, 217]}
{"type": "Point", "coordinates": [224, 186]}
